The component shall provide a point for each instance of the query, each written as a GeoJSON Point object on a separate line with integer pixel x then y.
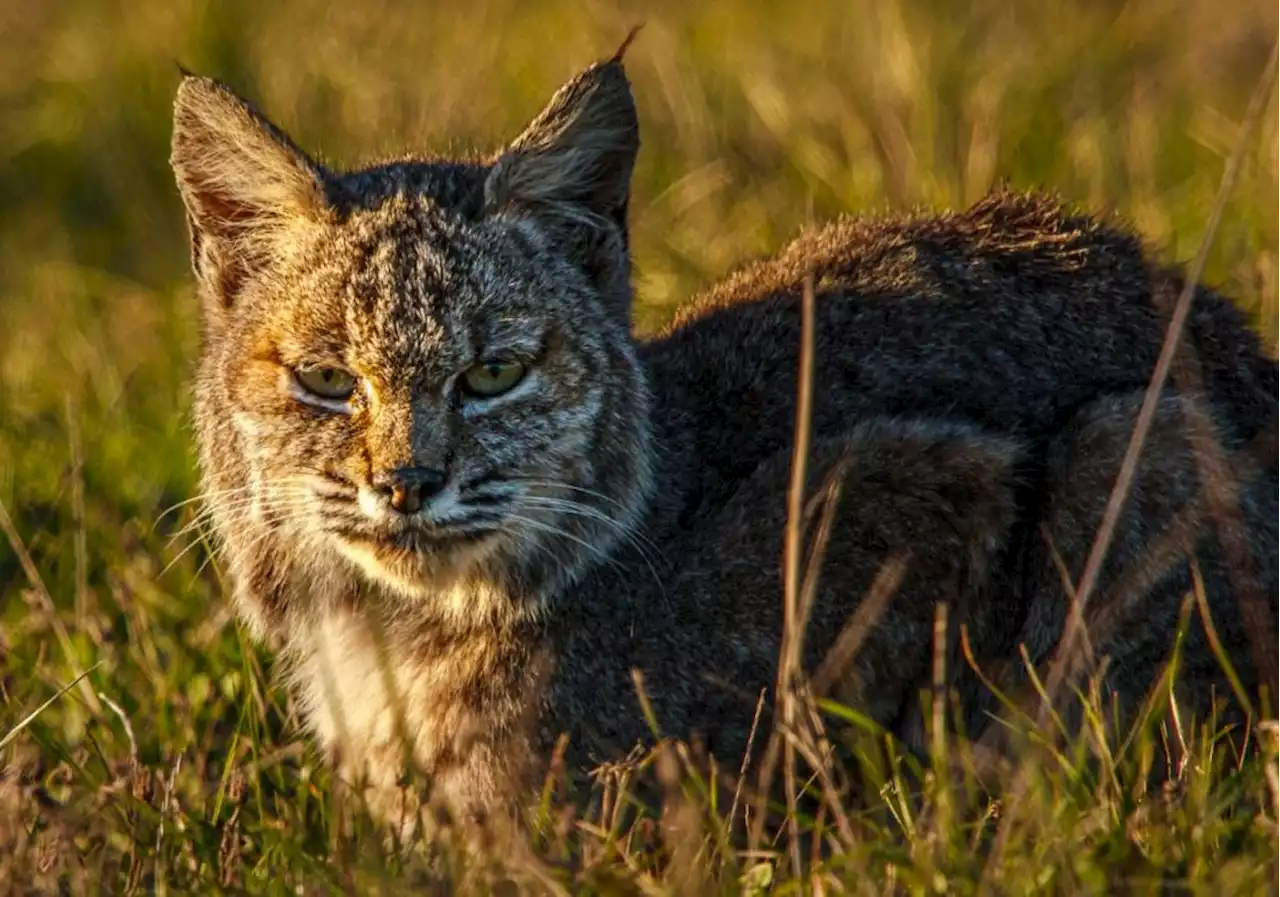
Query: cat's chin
{"type": "Point", "coordinates": [451, 587]}
{"type": "Point", "coordinates": [408, 569]}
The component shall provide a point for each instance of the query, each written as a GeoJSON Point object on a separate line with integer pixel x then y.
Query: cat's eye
{"type": "Point", "coordinates": [326, 382]}
{"type": "Point", "coordinates": [492, 378]}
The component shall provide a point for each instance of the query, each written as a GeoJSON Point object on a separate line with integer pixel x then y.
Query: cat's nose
{"type": "Point", "coordinates": [409, 487]}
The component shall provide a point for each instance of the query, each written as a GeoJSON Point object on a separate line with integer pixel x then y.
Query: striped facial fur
{"type": "Point", "coordinates": [419, 374]}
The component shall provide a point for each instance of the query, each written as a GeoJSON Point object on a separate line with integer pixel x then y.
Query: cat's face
{"type": "Point", "coordinates": [420, 371]}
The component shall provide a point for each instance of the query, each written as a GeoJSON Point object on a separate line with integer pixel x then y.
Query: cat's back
{"type": "Point", "coordinates": [1010, 315]}
{"type": "Point", "coordinates": [1009, 241]}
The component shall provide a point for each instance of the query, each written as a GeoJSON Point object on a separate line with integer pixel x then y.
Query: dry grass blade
{"type": "Point", "coordinates": [789, 672]}
{"type": "Point", "coordinates": [789, 654]}
{"type": "Point", "coordinates": [1168, 352]}
{"type": "Point", "coordinates": [1063, 656]}
{"type": "Point", "coordinates": [822, 766]}
{"type": "Point", "coordinates": [1076, 617]}
{"type": "Point", "coordinates": [938, 705]}
{"type": "Point", "coordinates": [870, 608]}
{"type": "Point", "coordinates": [134, 762]}
{"type": "Point", "coordinates": [78, 510]}
{"type": "Point", "coordinates": [1215, 643]}
{"type": "Point", "coordinates": [746, 761]}
{"type": "Point", "coordinates": [47, 605]}
{"type": "Point", "coordinates": [26, 721]}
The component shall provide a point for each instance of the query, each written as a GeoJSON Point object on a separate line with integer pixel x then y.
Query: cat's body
{"type": "Point", "coordinates": [468, 505]}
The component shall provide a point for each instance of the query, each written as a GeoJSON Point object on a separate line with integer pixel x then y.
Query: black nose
{"type": "Point", "coordinates": [409, 487]}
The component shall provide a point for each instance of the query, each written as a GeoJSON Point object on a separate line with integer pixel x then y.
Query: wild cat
{"type": "Point", "coordinates": [466, 502]}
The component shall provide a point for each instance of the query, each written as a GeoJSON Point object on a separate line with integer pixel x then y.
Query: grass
{"type": "Point", "coordinates": [173, 766]}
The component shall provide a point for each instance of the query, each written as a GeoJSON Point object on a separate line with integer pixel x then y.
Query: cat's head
{"type": "Point", "coordinates": [419, 372]}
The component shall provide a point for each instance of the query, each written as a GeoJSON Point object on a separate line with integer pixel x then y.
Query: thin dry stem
{"type": "Point", "coordinates": [1065, 653]}
{"type": "Point", "coordinates": [790, 651]}
{"type": "Point", "coordinates": [1168, 352]}
{"type": "Point", "coordinates": [47, 605]}
{"type": "Point", "coordinates": [746, 760]}
{"type": "Point", "coordinates": [841, 654]}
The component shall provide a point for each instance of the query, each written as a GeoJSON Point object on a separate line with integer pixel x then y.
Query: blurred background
{"type": "Point", "coordinates": [755, 116]}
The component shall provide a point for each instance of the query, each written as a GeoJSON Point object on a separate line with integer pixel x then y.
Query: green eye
{"type": "Point", "coordinates": [326, 382]}
{"type": "Point", "coordinates": [492, 378]}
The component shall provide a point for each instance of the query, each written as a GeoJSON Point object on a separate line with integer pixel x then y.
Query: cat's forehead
{"type": "Point", "coordinates": [409, 251]}
{"type": "Point", "coordinates": [419, 284]}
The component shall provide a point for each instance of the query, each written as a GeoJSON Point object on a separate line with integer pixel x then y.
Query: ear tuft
{"type": "Point", "coordinates": [626, 44]}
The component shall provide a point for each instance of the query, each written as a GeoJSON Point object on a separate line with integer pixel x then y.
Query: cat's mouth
{"type": "Point", "coordinates": [413, 557]}
{"type": "Point", "coordinates": [418, 540]}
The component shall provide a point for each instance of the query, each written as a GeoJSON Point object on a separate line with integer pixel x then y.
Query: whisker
{"type": "Point", "coordinates": [647, 548]}
{"type": "Point", "coordinates": [648, 551]}
{"type": "Point", "coordinates": [558, 484]}
{"type": "Point", "coordinates": [305, 481]}
{"type": "Point", "coordinates": [213, 495]}
{"type": "Point", "coordinates": [206, 514]}
{"type": "Point", "coordinates": [637, 527]}
{"type": "Point", "coordinates": [556, 531]}
{"type": "Point", "coordinates": [276, 509]}
{"type": "Point", "coordinates": [178, 557]}
{"type": "Point", "coordinates": [200, 497]}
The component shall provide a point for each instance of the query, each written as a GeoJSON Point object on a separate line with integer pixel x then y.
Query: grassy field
{"type": "Point", "coordinates": [174, 766]}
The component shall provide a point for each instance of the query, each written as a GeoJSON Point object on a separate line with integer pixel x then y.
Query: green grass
{"type": "Point", "coordinates": [174, 766]}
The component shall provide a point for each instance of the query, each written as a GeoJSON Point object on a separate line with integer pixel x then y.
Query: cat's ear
{"type": "Point", "coordinates": [244, 183]}
{"type": "Point", "coordinates": [577, 155]}
{"type": "Point", "coordinates": [571, 171]}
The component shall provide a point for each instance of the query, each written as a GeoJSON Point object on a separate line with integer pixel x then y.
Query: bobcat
{"type": "Point", "coordinates": [465, 502]}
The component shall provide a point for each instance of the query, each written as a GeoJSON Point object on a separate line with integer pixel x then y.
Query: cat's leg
{"type": "Point", "coordinates": [1167, 523]}
{"type": "Point", "coordinates": [923, 511]}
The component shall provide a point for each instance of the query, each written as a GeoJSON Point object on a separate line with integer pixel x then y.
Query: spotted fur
{"type": "Point", "coordinates": [621, 507]}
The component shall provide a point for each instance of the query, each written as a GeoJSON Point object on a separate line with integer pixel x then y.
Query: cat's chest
{"type": "Point", "coordinates": [362, 688]}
